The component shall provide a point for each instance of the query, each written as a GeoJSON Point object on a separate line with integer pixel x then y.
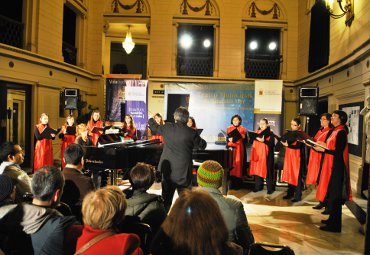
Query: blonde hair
{"type": "Point", "coordinates": [104, 208]}
{"type": "Point", "coordinates": [81, 128]}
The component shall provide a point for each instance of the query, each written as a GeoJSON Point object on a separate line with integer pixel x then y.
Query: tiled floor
{"type": "Point", "coordinates": [275, 220]}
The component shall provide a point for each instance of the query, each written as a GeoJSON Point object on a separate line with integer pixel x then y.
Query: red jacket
{"type": "Point", "coordinates": [258, 158]}
{"type": "Point", "coordinates": [120, 244]}
{"type": "Point", "coordinates": [238, 152]}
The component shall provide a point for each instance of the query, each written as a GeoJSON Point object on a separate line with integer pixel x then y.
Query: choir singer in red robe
{"type": "Point", "coordinates": [262, 157]}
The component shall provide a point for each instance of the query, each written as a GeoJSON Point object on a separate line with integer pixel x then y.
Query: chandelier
{"type": "Point", "coordinates": [128, 44]}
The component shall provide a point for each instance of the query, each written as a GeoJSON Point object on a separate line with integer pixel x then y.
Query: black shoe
{"type": "Point", "coordinates": [330, 229]}
{"type": "Point", "coordinates": [325, 212]}
{"type": "Point", "coordinates": [318, 206]}
{"type": "Point", "coordinates": [325, 221]}
{"type": "Point", "coordinates": [295, 200]}
{"type": "Point", "coordinates": [287, 197]}
{"type": "Point", "coordinates": [270, 192]}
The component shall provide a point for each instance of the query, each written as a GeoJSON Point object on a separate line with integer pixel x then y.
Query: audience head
{"type": "Point", "coordinates": [11, 152]}
{"type": "Point", "coordinates": [210, 174]}
{"type": "Point", "coordinates": [82, 130]}
{"type": "Point", "coordinates": [142, 176]}
{"type": "Point", "coordinates": [236, 120]}
{"type": "Point", "coordinates": [159, 119]}
{"type": "Point", "coordinates": [47, 185]}
{"type": "Point", "coordinates": [340, 118]}
{"type": "Point", "coordinates": [191, 122]}
{"type": "Point", "coordinates": [104, 208]}
{"type": "Point", "coordinates": [7, 188]}
{"type": "Point", "coordinates": [181, 114]}
{"type": "Point", "coordinates": [95, 116]}
{"type": "Point", "coordinates": [295, 124]}
{"type": "Point", "coordinates": [73, 154]}
{"type": "Point", "coordinates": [195, 224]}
{"type": "Point", "coordinates": [44, 118]}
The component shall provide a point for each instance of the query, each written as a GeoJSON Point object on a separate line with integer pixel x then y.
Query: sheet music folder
{"type": "Point", "coordinates": [313, 143]}
{"type": "Point", "coordinates": [97, 129]}
{"type": "Point", "coordinates": [48, 131]}
{"type": "Point", "coordinates": [235, 135]}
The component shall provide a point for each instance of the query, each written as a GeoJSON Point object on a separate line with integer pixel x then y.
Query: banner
{"type": "Point", "coordinates": [136, 104]}
{"type": "Point", "coordinates": [268, 96]}
{"type": "Point", "coordinates": [213, 105]}
{"type": "Point", "coordinates": [115, 99]}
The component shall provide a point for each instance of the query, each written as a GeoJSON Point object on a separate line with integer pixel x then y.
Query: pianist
{"type": "Point", "coordinates": [176, 159]}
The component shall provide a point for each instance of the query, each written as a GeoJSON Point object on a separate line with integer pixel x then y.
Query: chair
{"type": "Point", "coordinates": [269, 249]}
{"type": "Point", "coordinates": [144, 232]}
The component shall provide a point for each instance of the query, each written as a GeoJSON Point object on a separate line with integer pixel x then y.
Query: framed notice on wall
{"type": "Point", "coordinates": [355, 126]}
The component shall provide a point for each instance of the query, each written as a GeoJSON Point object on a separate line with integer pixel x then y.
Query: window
{"type": "Point", "coordinates": [69, 36]}
{"type": "Point", "coordinates": [262, 53]}
{"type": "Point", "coordinates": [11, 25]}
{"type": "Point", "coordinates": [195, 47]}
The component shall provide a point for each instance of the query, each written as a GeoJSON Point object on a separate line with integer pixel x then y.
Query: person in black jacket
{"type": "Point", "coordinates": [176, 159]}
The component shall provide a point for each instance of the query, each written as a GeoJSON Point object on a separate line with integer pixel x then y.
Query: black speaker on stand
{"type": "Point", "coordinates": [70, 99]}
{"type": "Point", "coordinates": [308, 101]}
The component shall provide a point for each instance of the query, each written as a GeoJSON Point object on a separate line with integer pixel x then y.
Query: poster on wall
{"type": "Point", "coordinates": [355, 126]}
{"type": "Point", "coordinates": [268, 96]}
{"type": "Point", "coordinates": [115, 99]}
{"type": "Point", "coordinates": [213, 105]}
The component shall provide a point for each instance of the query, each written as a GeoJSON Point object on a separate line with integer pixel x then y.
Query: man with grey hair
{"type": "Point", "coordinates": [44, 226]}
{"type": "Point", "coordinates": [176, 159]}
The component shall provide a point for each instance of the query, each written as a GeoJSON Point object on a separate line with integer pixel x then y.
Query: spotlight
{"type": "Point", "coordinates": [206, 43]}
{"type": "Point", "coordinates": [272, 46]}
{"type": "Point", "coordinates": [253, 45]}
{"type": "Point", "coordinates": [186, 41]}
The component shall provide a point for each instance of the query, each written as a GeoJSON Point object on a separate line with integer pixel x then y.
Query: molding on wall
{"type": "Point", "coordinates": [33, 58]}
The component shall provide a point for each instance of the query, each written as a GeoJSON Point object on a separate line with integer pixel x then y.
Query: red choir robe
{"type": "Point", "coordinates": [66, 140]}
{"type": "Point", "coordinates": [43, 155]}
{"type": "Point", "coordinates": [153, 137]}
{"type": "Point", "coordinates": [90, 126]}
{"type": "Point", "coordinates": [238, 152]}
{"type": "Point", "coordinates": [327, 166]}
{"type": "Point", "coordinates": [292, 163]}
{"type": "Point", "coordinates": [314, 162]}
{"type": "Point", "coordinates": [258, 158]}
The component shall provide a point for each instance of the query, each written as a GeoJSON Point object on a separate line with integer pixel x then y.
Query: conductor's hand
{"type": "Point", "coordinates": [261, 139]}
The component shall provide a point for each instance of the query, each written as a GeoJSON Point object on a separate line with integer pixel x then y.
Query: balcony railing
{"type": "Point", "coordinates": [69, 53]}
{"type": "Point", "coordinates": [195, 66]}
{"type": "Point", "coordinates": [11, 32]}
{"type": "Point", "coordinates": [262, 66]}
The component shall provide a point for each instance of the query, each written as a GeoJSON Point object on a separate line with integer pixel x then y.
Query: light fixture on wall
{"type": "Point", "coordinates": [128, 44]}
{"type": "Point", "coordinates": [347, 10]}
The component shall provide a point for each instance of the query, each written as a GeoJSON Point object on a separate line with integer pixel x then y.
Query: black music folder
{"type": "Point", "coordinates": [97, 130]}
{"type": "Point", "coordinates": [48, 131]}
{"type": "Point", "coordinates": [235, 135]}
{"type": "Point", "coordinates": [70, 130]}
{"type": "Point", "coordinates": [313, 143]}
{"type": "Point", "coordinates": [199, 131]}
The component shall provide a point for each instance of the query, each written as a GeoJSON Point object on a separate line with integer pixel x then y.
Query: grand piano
{"type": "Point", "coordinates": [115, 155]}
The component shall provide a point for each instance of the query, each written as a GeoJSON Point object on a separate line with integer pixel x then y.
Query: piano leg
{"type": "Point", "coordinates": [113, 176]}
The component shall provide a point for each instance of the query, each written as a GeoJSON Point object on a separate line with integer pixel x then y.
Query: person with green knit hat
{"type": "Point", "coordinates": [209, 177]}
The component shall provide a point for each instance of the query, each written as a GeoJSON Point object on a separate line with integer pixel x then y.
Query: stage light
{"type": "Point", "coordinates": [272, 46]}
{"type": "Point", "coordinates": [206, 43]}
{"type": "Point", "coordinates": [253, 45]}
{"type": "Point", "coordinates": [186, 41]}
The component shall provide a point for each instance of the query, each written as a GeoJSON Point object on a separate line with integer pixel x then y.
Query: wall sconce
{"type": "Point", "coordinates": [128, 44]}
{"type": "Point", "coordinates": [347, 10]}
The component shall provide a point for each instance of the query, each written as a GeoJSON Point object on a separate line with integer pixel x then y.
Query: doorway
{"type": "Point", "coordinates": [15, 116]}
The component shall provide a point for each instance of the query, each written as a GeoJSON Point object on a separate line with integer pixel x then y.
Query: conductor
{"type": "Point", "coordinates": [176, 160]}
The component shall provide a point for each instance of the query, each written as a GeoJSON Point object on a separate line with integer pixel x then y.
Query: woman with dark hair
{"type": "Point", "coordinates": [236, 135]}
{"type": "Point", "coordinates": [148, 207]}
{"type": "Point", "coordinates": [191, 123]}
{"type": "Point", "coordinates": [129, 128]}
{"type": "Point", "coordinates": [262, 157]}
{"type": "Point", "coordinates": [194, 226]}
{"type": "Point", "coordinates": [334, 184]}
{"type": "Point", "coordinates": [294, 162]}
{"type": "Point", "coordinates": [95, 126]}
{"type": "Point", "coordinates": [159, 119]}
{"type": "Point", "coordinates": [315, 159]}
{"type": "Point", "coordinates": [67, 135]}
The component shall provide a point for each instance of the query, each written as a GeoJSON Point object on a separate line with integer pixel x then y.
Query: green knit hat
{"type": "Point", "coordinates": [210, 174]}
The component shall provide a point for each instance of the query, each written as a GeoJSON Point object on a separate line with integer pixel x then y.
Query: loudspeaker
{"type": "Point", "coordinates": [308, 101]}
{"type": "Point", "coordinates": [70, 99]}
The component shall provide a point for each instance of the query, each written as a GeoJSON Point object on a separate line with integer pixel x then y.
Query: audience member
{"type": "Point", "coordinates": [12, 156]}
{"type": "Point", "coordinates": [148, 207]}
{"type": "Point", "coordinates": [194, 226]}
{"type": "Point", "coordinates": [45, 227]}
{"type": "Point", "coordinates": [7, 194]}
{"type": "Point", "coordinates": [209, 178]}
{"type": "Point", "coordinates": [103, 212]}
{"type": "Point", "coordinates": [77, 185]}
